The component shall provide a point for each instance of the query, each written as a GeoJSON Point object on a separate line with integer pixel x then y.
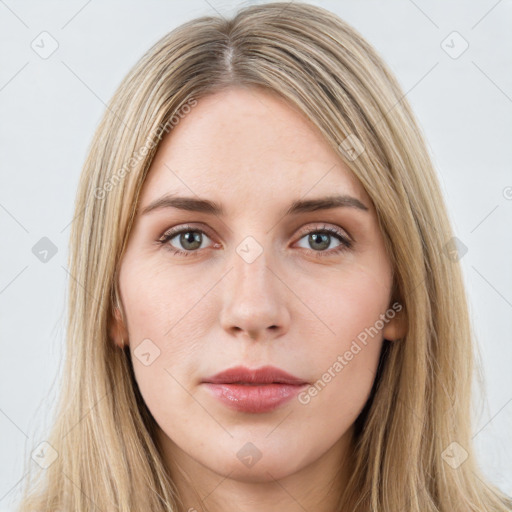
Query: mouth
{"type": "Point", "coordinates": [254, 391]}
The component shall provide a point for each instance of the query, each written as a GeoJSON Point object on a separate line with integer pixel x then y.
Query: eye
{"type": "Point", "coordinates": [184, 241]}
{"type": "Point", "coordinates": [321, 238]}
{"type": "Point", "coordinates": [188, 240]}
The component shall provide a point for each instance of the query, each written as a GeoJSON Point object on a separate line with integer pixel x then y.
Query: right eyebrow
{"type": "Point", "coordinates": [184, 203]}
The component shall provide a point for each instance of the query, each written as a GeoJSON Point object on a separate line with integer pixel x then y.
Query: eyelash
{"type": "Point", "coordinates": [345, 243]}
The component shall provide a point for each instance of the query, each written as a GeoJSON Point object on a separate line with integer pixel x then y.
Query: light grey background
{"type": "Point", "coordinates": [49, 108]}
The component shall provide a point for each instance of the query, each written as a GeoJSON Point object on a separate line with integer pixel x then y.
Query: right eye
{"type": "Point", "coordinates": [189, 240]}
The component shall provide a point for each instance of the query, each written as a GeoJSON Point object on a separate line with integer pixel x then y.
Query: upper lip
{"type": "Point", "coordinates": [263, 375]}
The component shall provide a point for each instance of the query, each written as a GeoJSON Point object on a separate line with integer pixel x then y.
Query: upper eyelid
{"type": "Point", "coordinates": [180, 228]}
{"type": "Point", "coordinates": [327, 227]}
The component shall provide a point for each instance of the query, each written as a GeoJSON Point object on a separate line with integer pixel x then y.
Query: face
{"type": "Point", "coordinates": [254, 285]}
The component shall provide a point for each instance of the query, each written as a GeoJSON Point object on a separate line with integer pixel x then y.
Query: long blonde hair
{"type": "Point", "coordinates": [103, 434]}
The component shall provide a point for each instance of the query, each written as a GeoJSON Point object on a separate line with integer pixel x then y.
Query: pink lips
{"type": "Point", "coordinates": [254, 391]}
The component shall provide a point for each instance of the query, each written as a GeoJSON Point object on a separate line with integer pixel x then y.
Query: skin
{"type": "Point", "coordinates": [249, 151]}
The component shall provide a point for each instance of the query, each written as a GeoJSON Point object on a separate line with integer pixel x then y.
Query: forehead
{"type": "Point", "coordinates": [247, 146]}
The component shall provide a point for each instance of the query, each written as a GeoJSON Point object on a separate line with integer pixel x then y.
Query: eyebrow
{"type": "Point", "coordinates": [211, 207]}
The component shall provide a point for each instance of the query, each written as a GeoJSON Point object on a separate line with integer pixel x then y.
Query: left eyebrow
{"type": "Point", "coordinates": [325, 203]}
{"type": "Point", "coordinates": [211, 207]}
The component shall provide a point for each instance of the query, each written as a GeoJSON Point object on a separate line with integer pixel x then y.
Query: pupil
{"type": "Point", "coordinates": [324, 239]}
{"type": "Point", "coordinates": [191, 237]}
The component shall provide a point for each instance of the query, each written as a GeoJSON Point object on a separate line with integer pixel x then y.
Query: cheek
{"type": "Point", "coordinates": [163, 307]}
{"type": "Point", "coordinates": [347, 302]}
{"type": "Point", "coordinates": [164, 346]}
{"type": "Point", "coordinates": [168, 318]}
{"type": "Point", "coordinates": [152, 311]}
{"type": "Point", "coordinates": [352, 305]}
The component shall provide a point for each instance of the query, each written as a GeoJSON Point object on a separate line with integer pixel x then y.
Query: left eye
{"type": "Point", "coordinates": [321, 240]}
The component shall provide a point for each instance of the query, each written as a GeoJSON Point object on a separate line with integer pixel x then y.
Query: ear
{"type": "Point", "coordinates": [117, 329]}
{"type": "Point", "coordinates": [396, 327]}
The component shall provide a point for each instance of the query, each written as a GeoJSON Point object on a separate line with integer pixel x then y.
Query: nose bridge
{"type": "Point", "coordinates": [253, 300]}
{"type": "Point", "coordinates": [251, 261]}
{"type": "Point", "coordinates": [252, 278]}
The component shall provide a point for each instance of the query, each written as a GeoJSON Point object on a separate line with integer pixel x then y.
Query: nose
{"type": "Point", "coordinates": [254, 300]}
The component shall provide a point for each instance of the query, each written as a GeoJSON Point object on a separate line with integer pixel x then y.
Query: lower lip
{"type": "Point", "coordinates": [254, 398]}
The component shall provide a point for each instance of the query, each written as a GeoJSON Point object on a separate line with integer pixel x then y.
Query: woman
{"type": "Point", "coordinates": [266, 310]}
